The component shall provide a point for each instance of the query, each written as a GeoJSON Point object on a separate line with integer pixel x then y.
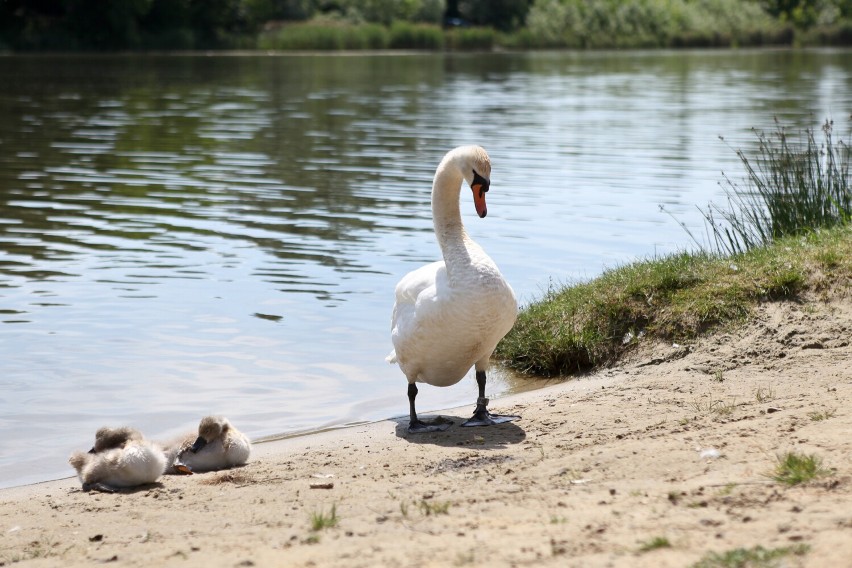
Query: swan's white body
{"type": "Point", "coordinates": [125, 460]}
{"type": "Point", "coordinates": [217, 445]}
{"type": "Point", "coordinates": [445, 322]}
{"type": "Point", "coordinates": [449, 315]}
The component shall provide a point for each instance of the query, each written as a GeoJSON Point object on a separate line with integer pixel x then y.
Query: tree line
{"type": "Point", "coordinates": [61, 25]}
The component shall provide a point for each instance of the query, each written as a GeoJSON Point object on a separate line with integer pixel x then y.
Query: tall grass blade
{"type": "Point", "coordinates": [792, 187]}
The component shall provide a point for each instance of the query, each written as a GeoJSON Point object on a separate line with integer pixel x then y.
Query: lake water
{"type": "Point", "coordinates": [186, 235]}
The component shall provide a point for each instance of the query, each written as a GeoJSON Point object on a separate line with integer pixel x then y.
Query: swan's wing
{"type": "Point", "coordinates": [415, 287]}
{"type": "Point", "coordinates": [412, 286]}
{"type": "Point", "coordinates": [416, 281]}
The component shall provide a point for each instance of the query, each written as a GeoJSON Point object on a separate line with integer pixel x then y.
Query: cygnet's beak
{"type": "Point", "coordinates": [479, 186]}
{"type": "Point", "coordinates": [199, 443]}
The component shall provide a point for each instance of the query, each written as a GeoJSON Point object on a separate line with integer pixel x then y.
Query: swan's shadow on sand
{"type": "Point", "coordinates": [479, 437]}
{"type": "Point", "coordinates": [122, 490]}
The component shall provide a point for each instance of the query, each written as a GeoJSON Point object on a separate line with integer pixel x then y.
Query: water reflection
{"type": "Point", "coordinates": [185, 235]}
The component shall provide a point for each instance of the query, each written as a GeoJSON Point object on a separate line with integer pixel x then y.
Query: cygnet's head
{"type": "Point", "coordinates": [108, 438]}
{"type": "Point", "coordinates": [210, 428]}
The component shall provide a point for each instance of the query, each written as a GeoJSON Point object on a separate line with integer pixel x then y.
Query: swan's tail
{"type": "Point", "coordinates": [391, 358]}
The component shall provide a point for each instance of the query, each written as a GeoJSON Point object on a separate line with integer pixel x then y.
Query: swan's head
{"type": "Point", "coordinates": [210, 428]}
{"type": "Point", "coordinates": [475, 166]}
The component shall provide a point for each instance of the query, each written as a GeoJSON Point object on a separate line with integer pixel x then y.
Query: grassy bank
{"type": "Point", "coordinates": [788, 234]}
{"type": "Point", "coordinates": [675, 298]}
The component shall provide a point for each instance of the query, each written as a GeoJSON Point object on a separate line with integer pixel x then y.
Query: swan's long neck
{"type": "Point", "coordinates": [449, 229]}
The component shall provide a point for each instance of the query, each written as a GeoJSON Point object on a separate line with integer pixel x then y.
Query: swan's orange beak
{"type": "Point", "coordinates": [479, 186]}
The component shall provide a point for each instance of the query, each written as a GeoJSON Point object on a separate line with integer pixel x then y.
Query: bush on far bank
{"type": "Point", "coordinates": [652, 23]}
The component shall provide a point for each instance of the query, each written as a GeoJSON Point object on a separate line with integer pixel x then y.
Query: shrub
{"type": "Point", "coordinates": [323, 36]}
{"type": "Point", "coordinates": [470, 38]}
{"type": "Point", "coordinates": [650, 23]}
{"type": "Point", "coordinates": [404, 35]}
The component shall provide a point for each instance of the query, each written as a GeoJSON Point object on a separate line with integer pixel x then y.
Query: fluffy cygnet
{"type": "Point", "coordinates": [121, 457]}
{"type": "Point", "coordinates": [217, 445]}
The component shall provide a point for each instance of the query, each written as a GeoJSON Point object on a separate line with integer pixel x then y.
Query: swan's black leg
{"type": "Point", "coordinates": [417, 426]}
{"type": "Point", "coordinates": [481, 416]}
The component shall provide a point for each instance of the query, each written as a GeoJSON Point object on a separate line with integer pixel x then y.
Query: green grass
{"type": "Point", "coordinates": [320, 520]}
{"type": "Point", "coordinates": [819, 415]}
{"type": "Point", "coordinates": [655, 543]}
{"type": "Point", "coordinates": [674, 298]}
{"type": "Point", "coordinates": [757, 557]}
{"type": "Point", "coordinates": [795, 469]}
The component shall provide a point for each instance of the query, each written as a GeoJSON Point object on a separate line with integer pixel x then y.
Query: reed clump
{"type": "Point", "coordinates": [325, 37]}
{"type": "Point", "coordinates": [406, 35]}
{"type": "Point", "coordinates": [340, 35]}
{"type": "Point", "coordinates": [793, 186]}
{"type": "Point", "coordinates": [471, 39]}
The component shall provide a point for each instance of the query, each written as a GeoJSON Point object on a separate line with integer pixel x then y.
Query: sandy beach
{"type": "Point", "coordinates": [659, 461]}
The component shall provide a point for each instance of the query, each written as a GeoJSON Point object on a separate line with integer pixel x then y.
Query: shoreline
{"type": "Point", "coordinates": [510, 384]}
{"type": "Point", "coordinates": [276, 444]}
{"type": "Point", "coordinates": [660, 461]}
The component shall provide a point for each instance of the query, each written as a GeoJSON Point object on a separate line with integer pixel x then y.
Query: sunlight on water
{"type": "Point", "coordinates": [182, 235]}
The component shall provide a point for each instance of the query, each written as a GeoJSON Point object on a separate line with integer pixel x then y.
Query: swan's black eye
{"type": "Point", "coordinates": [480, 181]}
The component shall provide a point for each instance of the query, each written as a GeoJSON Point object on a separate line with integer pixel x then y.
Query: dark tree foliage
{"type": "Point", "coordinates": [504, 15]}
{"type": "Point", "coordinates": [120, 24]}
{"type": "Point", "coordinates": [104, 24]}
{"type": "Point", "coordinates": [800, 12]}
{"type": "Point", "coordinates": [452, 10]}
{"type": "Point", "coordinates": [290, 10]}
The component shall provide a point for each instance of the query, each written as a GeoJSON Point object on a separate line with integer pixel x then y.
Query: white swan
{"type": "Point", "coordinates": [449, 315]}
{"type": "Point", "coordinates": [218, 445]}
{"type": "Point", "coordinates": [121, 457]}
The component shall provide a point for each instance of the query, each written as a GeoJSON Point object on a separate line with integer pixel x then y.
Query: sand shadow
{"type": "Point", "coordinates": [494, 437]}
{"type": "Point", "coordinates": [121, 490]}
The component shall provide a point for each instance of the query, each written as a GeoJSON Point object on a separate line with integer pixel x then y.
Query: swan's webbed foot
{"type": "Point", "coordinates": [417, 426]}
{"type": "Point", "coordinates": [481, 416]}
{"type": "Point", "coordinates": [180, 468]}
{"type": "Point", "coordinates": [438, 424]}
